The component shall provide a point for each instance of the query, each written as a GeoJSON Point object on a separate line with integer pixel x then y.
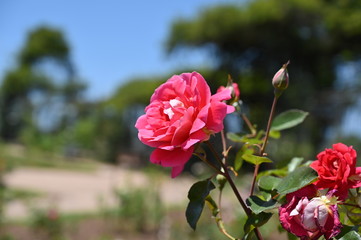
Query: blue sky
{"type": "Point", "coordinates": [111, 41]}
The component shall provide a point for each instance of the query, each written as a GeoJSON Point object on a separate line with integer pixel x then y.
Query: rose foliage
{"type": "Point", "coordinates": [313, 199]}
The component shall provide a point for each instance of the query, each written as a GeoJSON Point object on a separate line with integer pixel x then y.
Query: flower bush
{"type": "Point", "coordinates": [313, 199]}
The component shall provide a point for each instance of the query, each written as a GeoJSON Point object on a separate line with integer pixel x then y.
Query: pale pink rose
{"type": "Point", "coordinates": [181, 113]}
{"type": "Point", "coordinates": [308, 216]}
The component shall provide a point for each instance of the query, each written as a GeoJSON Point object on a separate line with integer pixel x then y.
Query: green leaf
{"type": "Point", "coordinates": [244, 139]}
{"type": "Point", "coordinates": [277, 172]}
{"type": "Point", "coordinates": [351, 214]}
{"type": "Point", "coordinates": [268, 183]}
{"type": "Point", "coordinates": [294, 163]}
{"type": "Point", "coordinates": [275, 134]}
{"type": "Point", "coordinates": [197, 196]}
{"type": "Point", "coordinates": [250, 235]}
{"type": "Point", "coordinates": [258, 205]}
{"type": "Point", "coordinates": [256, 160]}
{"type": "Point", "coordinates": [291, 236]}
{"type": "Point", "coordinates": [345, 230]}
{"type": "Point", "coordinates": [288, 119]}
{"type": "Point", "coordinates": [351, 235]}
{"type": "Point", "coordinates": [238, 162]}
{"type": "Point", "coordinates": [297, 179]}
{"type": "Point", "coordinates": [234, 137]}
{"type": "Point", "coordinates": [256, 220]}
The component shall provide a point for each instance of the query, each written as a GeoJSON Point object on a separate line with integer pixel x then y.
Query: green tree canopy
{"type": "Point", "coordinates": [44, 42]}
{"type": "Point", "coordinates": [43, 45]}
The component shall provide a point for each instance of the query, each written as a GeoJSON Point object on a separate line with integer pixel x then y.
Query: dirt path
{"type": "Point", "coordinates": [71, 191]}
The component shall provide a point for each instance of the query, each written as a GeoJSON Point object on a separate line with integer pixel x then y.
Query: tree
{"type": "Point", "coordinates": [43, 72]}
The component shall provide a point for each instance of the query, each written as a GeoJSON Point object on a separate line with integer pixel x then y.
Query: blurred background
{"type": "Point", "coordinates": [75, 76]}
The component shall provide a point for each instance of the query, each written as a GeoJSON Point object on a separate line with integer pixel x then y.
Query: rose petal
{"type": "Point", "coordinates": [176, 157]}
{"type": "Point", "coordinates": [177, 170]}
{"type": "Point", "coordinates": [217, 113]}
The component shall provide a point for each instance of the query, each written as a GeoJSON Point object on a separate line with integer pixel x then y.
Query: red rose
{"type": "Point", "coordinates": [182, 112]}
{"type": "Point", "coordinates": [337, 169]}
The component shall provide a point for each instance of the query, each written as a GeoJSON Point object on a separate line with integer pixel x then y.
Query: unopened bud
{"type": "Point", "coordinates": [281, 79]}
{"type": "Point", "coordinates": [221, 181]}
{"type": "Point", "coordinates": [233, 87]}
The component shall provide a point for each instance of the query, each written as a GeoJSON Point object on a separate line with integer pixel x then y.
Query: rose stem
{"type": "Point", "coordinates": [233, 186]}
{"type": "Point", "coordinates": [229, 179]}
{"type": "Point", "coordinates": [209, 163]}
{"type": "Point", "coordinates": [224, 144]}
{"type": "Point", "coordinates": [264, 143]}
{"type": "Point", "coordinates": [249, 124]}
{"type": "Point", "coordinates": [220, 221]}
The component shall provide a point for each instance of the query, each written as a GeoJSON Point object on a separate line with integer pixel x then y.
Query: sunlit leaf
{"type": "Point", "coordinates": [256, 220]}
{"type": "Point", "coordinates": [197, 195]}
{"type": "Point", "coordinates": [244, 139]}
{"type": "Point", "coordinates": [288, 119]}
{"type": "Point", "coordinates": [277, 172]}
{"type": "Point", "coordinates": [294, 163]}
{"type": "Point", "coordinates": [351, 235]}
{"type": "Point", "coordinates": [275, 134]}
{"type": "Point", "coordinates": [297, 179]}
{"type": "Point", "coordinates": [345, 230]}
{"type": "Point", "coordinates": [268, 183]}
{"type": "Point", "coordinates": [234, 137]}
{"type": "Point", "coordinates": [351, 213]}
{"type": "Point", "coordinates": [238, 161]}
{"type": "Point", "coordinates": [258, 205]}
{"type": "Point", "coordinates": [256, 160]}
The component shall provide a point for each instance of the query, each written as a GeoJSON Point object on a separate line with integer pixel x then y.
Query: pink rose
{"type": "Point", "coordinates": [181, 113]}
{"type": "Point", "coordinates": [337, 169]}
{"type": "Point", "coordinates": [309, 217]}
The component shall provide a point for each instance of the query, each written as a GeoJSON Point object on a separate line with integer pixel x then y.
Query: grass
{"type": "Point", "coordinates": [12, 194]}
{"type": "Point", "coordinates": [12, 156]}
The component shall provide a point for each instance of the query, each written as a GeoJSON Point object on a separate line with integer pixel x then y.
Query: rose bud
{"type": "Point", "coordinates": [221, 181]}
{"type": "Point", "coordinates": [281, 78]}
{"type": "Point", "coordinates": [233, 87]}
